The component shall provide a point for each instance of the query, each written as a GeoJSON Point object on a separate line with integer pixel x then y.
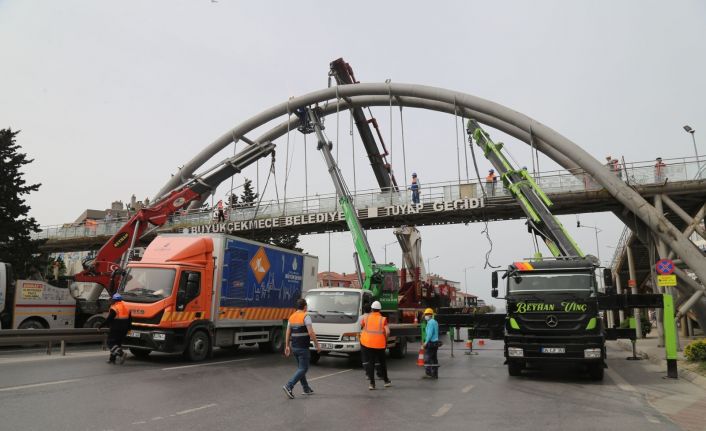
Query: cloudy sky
{"type": "Point", "coordinates": [112, 96]}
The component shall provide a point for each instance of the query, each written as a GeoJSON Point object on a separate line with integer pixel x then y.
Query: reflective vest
{"type": "Point", "coordinates": [298, 331]}
{"type": "Point", "coordinates": [372, 335]}
{"type": "Point", "coordinates": [490, 178]}
{"type": "Point", "coordinates": [121, 311]}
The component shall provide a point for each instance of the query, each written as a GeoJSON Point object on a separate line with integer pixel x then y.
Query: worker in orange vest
{"type": "Point", "coordinates": [119, 322]}
{"type": "Point", "coordinates": [373, 341]}
{"type": "Point", "coordinates": [490, 181]}
{"type": "Point", "coordinates": [299, 336]}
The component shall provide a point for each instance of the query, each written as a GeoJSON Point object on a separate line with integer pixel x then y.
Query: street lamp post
{"type": "Point", "coordinates": [465, 277]}
{"type": "Point", "coordinates": [597, 231]}
{"type": "Point", "coordinates": [429, 265]}
{"type": "Point", "coordinates": [385, 247]}
{"type": "Point", "coordinates": [693, 139]}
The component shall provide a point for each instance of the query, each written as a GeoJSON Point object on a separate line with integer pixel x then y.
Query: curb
{"type": "Point", "coordinates": [683, 374]}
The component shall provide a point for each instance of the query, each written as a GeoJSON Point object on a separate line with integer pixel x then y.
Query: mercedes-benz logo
{"type": "Point", "coordinates": [552, 321]}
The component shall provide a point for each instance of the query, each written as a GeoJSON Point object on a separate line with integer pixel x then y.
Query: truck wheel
{"type": "Point", "coordinates": [595, 372]}
{"type": "Point", "coordinates": [400, 349]}
{"type": "Point", "coordinates": [140, 353]}
{"type": "Point", "coordinates": [276, 343]}
{"type": "Point", "coordinates": [199, 346]}
{"type": "Point", "coordinates": [314, 357]}
{"type": "Point", "coordinates": [514, 369]}
{"type": "Point", "coordinates": [32, 324]}
{"type": "Point", "coordinates": [94, 322]}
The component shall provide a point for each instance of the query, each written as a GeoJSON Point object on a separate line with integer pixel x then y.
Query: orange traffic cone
{"type": "Point", "coordinates": [420, 358]}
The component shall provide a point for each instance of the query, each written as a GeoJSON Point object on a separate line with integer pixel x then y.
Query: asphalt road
{"type": "Point", "coordinates": [242, 390]}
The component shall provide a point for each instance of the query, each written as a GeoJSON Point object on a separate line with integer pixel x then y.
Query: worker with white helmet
{"type": "Point", "coordinates": [373, 340]}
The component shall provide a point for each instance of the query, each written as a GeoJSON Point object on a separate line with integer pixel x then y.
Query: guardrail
{"type": "Point", "coordinates": [23, 337]}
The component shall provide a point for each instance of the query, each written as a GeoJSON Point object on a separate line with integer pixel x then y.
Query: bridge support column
{"type": "Point", "coordinates": [619, 288]}
{"type": "Point", "coordinates": [633, 288]}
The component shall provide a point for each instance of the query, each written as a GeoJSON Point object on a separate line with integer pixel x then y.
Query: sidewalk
{"type": "Point", "coordinates": [647, 349]}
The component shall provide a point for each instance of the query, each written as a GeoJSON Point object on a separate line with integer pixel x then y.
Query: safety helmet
{"type": "Point", "coordinates": [117, 297]}
{"type": "Point", "coordinates": [491, 170]}
{"type": "Point", "coordinates": [414, 174]}
{"type": "Point", "coordinates": [428, 311]}
{"type": "Point", "coordinates": [376, 305]}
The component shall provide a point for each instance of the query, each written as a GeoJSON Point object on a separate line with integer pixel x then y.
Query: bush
{"type": "Point", "coordinates": [696, 351]}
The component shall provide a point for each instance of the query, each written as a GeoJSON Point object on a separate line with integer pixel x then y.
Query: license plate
{"type": "Point", "coordinates": [327, 346]}
{"type": "Point", "coordinates": [553, 350]}
{"type": "Point", "coordinates": [135, 334]}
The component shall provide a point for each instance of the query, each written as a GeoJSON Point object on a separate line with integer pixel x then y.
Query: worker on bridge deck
{"type": "Point", "coordinates": [490, 181]}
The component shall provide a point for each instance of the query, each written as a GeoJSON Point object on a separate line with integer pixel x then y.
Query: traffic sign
{"type": "Point", "coordinates": [666, 280]}
{"type": "Point", "coordinates": [665, 266]}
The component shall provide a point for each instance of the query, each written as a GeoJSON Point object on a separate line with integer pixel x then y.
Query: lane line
{"type": "Point", "coordinates": [329, 375]}
{"type": "Point", "coordinates": [157, 418]}
{"type": "Point", "coordinates": [443, 410]}
{"type": "Point", "coordinates": [195, 409]}
{"type": "Point", "coordinates": [620, 381]}
{"type": "Point", "coordinates": [139, 423]}
{"type": "Point", "coordinates": [37, 385]}
{"type": "Point", "coordinates": [206, 364]}
{"type": "Point", "coordinates": [652, 419]}
{"type": "Point", "coordinates": [467, 389]}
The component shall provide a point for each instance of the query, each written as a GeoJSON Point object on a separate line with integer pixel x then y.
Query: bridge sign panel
{"type": "Point", "coordinates": [665, 266]}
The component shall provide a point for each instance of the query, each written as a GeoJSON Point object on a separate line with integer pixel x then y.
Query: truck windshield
{"type": "Point", "coordinates": [148, 284]}
{"type": "Point", "coordinates": [347, 303]}
{"type": "Point", "coordinates": [550, 282]}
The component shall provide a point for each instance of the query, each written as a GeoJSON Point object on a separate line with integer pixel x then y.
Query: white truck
{"type": "Point", "coordinates": [335, 313]}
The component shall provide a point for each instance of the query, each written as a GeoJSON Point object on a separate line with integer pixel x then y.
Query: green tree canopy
{"type": "Point", "coordinates": [16, 246]}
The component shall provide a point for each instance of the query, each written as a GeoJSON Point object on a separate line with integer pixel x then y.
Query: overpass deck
{"type": "Point", "coordinates": [441, 203]}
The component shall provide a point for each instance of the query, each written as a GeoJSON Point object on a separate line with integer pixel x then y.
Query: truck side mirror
{"type": "Point", "coordinates": [494, 284]}
{"type": "Point", "coordinates": [607, 277]}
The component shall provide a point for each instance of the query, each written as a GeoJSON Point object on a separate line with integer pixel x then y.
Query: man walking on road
{"type": "Point", "coordinates": [299, 334]}
{"type": "Point", "coordinates": [373, 340]}
{"type": "Point", "coordinates": [119, 322]}
{"type": "Point", "coordinates": [431, 345]}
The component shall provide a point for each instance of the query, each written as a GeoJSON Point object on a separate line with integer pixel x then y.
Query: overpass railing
{"type": "Point", "coordinates": [552, 182]}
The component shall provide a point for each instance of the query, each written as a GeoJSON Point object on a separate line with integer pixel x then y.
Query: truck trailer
{"type": "Point", "coordinates": [190, 293]}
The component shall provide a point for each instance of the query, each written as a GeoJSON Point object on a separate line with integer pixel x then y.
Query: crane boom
{"type": "Point", "coordinates": [380, 279]}
{"type": "Point", "coordinates": [102, 268]}
{"type": "Point", "coordinates": [533, 201]}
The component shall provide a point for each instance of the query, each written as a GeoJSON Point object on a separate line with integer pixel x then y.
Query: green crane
{"type": "Point", "coordinates": [532, 199]}
{"type": "Point", "coordinates": [381, 279]}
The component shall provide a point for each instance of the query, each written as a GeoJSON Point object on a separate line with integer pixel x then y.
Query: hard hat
{"type": "Point", "coordinates": [376, 305]}
{"type": "Point", "coordinates": [414, 174]}
{"type": "Point", "coordinates": [428, 311]}
{"type": "Point", "coordinates": [491, 170]}
{"type": "Point", "coordinates": [117, 297]}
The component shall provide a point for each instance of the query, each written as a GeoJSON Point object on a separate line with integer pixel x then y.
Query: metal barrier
{"type": "Point", "coordinates": [23, 337]}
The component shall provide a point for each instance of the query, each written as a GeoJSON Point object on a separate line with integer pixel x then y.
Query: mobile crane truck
{"type": "Point", "coordinates": [552, 304]}
{"type": "Point", "coordinates": [335, 311]}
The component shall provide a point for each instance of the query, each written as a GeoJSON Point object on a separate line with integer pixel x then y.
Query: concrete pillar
{"type": "Point", "coordinates": [632, 283]}
{"type": "Point", "coordinates": [663, 253]}
{"type": "Point", "coordinates": [619, 288]}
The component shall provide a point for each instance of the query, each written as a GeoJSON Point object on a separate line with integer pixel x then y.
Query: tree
{"type": "Point", "coordinates": [248, 199]}
{"type": "Point", "coordinates": [16, 246]}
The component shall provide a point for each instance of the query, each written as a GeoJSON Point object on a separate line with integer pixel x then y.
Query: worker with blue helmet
{"type": "Point", "coordinates": [119, 323]}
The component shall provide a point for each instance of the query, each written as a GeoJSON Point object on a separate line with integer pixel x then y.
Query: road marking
{"type": "Point", "coordinates": [157, 418]}
{"type": "Point", "coordinates": [36, 385]}
{"type": "Point", "coordinates": [443, 410]}
{"type": "Point", "coordinates": [619, 381]}
{"type": "Point", "coordinates": [206, 364]}
{"type": "Point", "coordinates": [139, 423]}
{"type": "Point", "coordinates": [195, 409]}
{"type": "Point", "coordinates": [652, 419]}
{"type": "Point", "coordinates": [467, 389]}
{"type": "Point", "coordinates": [329, 375]}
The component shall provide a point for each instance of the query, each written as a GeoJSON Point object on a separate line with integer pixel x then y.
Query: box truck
{"type": "Point", "coordinates": [191, 293]}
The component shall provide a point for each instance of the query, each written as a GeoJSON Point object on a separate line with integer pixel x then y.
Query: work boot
{"type": "Point", "coordinates": [371, 386]}
{"type": "Point", "coordinates": [110, 361]}
{"type": "Point", "coordinates": [121, 357]}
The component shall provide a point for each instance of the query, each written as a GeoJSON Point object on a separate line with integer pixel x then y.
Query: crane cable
{"type": "Point", "coordinates": [486, 228]}
{"type": "Point", "coordinates": [404, 151]}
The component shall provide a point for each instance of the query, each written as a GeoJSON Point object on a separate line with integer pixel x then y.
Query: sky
{"type": "Point", "coordinates": [112, 96]}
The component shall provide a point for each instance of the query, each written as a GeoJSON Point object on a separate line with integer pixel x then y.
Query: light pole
{"type": "Point", "coordinates": [465, 277]}
{"type": "Point", "coordinates": [385, 247]}
{"type": "Point", "coordinates": [429, 265]}
{"type": "Point", "coordinates": [597, 231]}
{"type": "Point", "coordinates": [693, 139]}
